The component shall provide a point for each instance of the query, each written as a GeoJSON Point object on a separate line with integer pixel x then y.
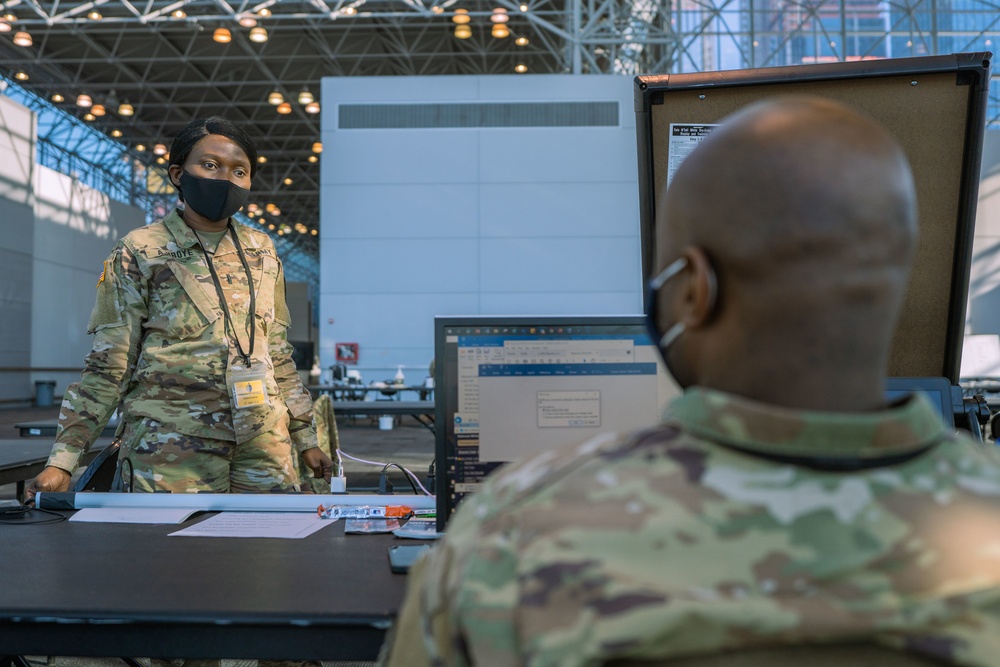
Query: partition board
{"type": "Point", "coordinates": [934, 106]}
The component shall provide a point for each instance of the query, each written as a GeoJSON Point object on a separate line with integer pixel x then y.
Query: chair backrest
{"type": "Point", "coordinates": [815, 655]}
{"type": "Point", "coordinates": [100, 473]}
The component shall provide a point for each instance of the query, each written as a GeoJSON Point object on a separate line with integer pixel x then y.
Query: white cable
{"type": "Point", "coordinates": [376, 463]}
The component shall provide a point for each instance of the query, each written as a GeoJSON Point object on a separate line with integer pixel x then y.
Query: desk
{"type": "Point", "coordinates": [21, 459]}
{"type": "Point", "coordinates": [47, 429]}
{"type": "Point", "coordinates": [422, 411]}
{"type": "Point", "coordinates": [127, 589]}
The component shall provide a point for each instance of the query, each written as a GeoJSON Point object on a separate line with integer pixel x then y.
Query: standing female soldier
{"type": "Point", "coordinates": [190, 337]}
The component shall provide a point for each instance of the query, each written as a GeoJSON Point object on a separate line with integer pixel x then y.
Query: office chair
{"type": "Point", "coordinates": [100, 473]}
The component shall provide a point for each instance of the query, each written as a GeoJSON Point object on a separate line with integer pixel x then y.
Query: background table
{"type": "Point", "coordinates": [121, 589]}
{"type": "Point", "coordinates": [23, 458]}
{"type": "Point", "coordinates": [47, 429]}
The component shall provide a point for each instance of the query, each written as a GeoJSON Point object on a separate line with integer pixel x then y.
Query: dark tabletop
{"type": "Point", "coordinates": [126, 589]}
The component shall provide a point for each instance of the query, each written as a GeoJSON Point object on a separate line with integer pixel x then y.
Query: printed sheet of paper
{"type": "Point", "coordinates": [684, 138]}
{"type": "Point", "coordinates": [285, 525]}
{"type": "Point", "coordinates": [131, 515]}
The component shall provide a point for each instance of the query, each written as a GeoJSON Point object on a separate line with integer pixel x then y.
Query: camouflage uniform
{"type": "Point", "coordinates": [701, 536]}
{"type": "Point", "coordinates": [161, 347]}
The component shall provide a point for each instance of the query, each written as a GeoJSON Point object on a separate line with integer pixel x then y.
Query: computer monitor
{"type": "Point", "coordinates": [508, 387]}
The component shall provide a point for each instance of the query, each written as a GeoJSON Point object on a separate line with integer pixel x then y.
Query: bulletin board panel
{"type": "Point", "coordinates": [935, 107]}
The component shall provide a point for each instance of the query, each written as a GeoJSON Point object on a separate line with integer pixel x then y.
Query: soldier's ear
{"type": "Point", "coordinates": [174, 171]}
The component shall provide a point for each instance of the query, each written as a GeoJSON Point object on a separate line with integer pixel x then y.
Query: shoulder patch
{"type": "Point", "coordinates": [104, 271]}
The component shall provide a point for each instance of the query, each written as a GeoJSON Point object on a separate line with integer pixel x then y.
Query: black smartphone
{"type": "Point", "coordinates": [401, 557]}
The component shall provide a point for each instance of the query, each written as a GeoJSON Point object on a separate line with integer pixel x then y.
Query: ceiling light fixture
{"type": "Point", "coordinates": [275, 98]}
{"type": "Point", "coordinates": [9, 18]}
{"type": "Point", "coordinates": [312, 107]}
{"type": "Point", "coordinates": [5, 26]}
{"type": "Point", "coordinates": [317, 147]}
{"type": "Point", "coordinates": [98, 110]}
{"type": "Point", "coordinates": [89, 117]}
{"type": "Point", "coordinates": [57, 98]}
{"type": "Point", "coordinates": [305, 97]}
{"type": "Point", "coordinates": [248, 21]}
{"type": "Point", "coordinates": [179, 14]}
{"type": "Point", "coordinates": [258, 35]}
{"type": "Point", "coordinates": [521, 41]}
{"type": "Point", "coordinates": [116, 133]}
{"type": "Point", "coordinates": [261, 159]}
{"type": "Point", "coordinates": [94, 15]}
{"type": "Point", "coordinates": [287, 181]}
{"type": "Point", "coordinates": [284, 108]}
{"type": "Point", "coordinates": [125, 109]}
{"type": "Point", "coordinates": [461, 16]}
{"type": "Point", "coordinates": [437, 9]}
{"type": "Point", "coordinates": [314, 232]}
{"type": "Point", "coordinates": [264, 12]}
{"type": "Point", "coordinates": [463, 31]}
{"type": "Point", "coordinates": [160, 149]}
{"type": "Point", "coordinates": [21, 75]}
{"type": "Point", "coordinates": [350, 11]}
{"type": "Point", "coordinates": [22, 38]}
{"type": "Point", "coordinates": [83, 100]}
{"type": "Point", "coordinates": [523, 7]}
{"type": "Point", "coordinates": [222, 35]}
{"type": "Point", "coordinates": [520, 68]}
{"type": "Point", "coordinates": [313, 159]}
{"type": "Point", "coordinates": [499, 15]}
{"type": "Point", "coordinates": [500, 31]}
{"type": "Point", "coordinates": [140, 147]}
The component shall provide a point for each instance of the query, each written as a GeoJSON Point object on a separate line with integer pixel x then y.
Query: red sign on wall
{"type": "Point", "coordinates": [347, 353]}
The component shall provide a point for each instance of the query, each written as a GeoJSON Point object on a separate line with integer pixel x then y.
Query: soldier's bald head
{"type": "Point", "coordinates": [807, 212]}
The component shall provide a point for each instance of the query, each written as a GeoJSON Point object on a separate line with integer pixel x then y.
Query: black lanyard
{"type": "Point", "coordinates": [222, 295]}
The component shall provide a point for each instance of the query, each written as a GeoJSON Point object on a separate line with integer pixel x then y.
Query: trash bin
{"type": "Point", "coordinates": [385, 422]}
{"type": "Point", "coordinates": [44, 393]}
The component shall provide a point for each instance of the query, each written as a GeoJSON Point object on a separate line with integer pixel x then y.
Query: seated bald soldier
{"type": "Point", "coordinates": [782, 505]}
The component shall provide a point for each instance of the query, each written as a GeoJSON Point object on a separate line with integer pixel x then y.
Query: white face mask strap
{"type": "Point", "coordinates": [673, 333]}
{"type": "Point", "coordinates": [666, 274]}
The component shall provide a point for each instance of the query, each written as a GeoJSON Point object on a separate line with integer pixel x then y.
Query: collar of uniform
{"type": "Point", "coordinates": [906, 425]}
{"type": "Point", "coordinates": [185, 237]}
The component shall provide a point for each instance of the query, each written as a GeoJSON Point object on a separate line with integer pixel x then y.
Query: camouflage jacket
{"type": "Point", "coordinates": [161, 345]}
{"type": "Point", "coordinates": [707, 534]}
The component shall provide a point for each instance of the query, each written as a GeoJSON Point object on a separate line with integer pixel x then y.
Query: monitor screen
{"type": "Point", "coordinates": [509, 387]}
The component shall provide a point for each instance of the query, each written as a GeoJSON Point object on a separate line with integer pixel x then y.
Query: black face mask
{"type": "Point", "coordinates": [213, 198]}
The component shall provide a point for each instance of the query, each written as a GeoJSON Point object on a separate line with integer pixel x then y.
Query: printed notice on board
{"type": "Point", "coordinates": [684, 138]}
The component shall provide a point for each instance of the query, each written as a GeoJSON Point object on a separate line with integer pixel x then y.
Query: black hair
{"type": "Point", "coordinates": [199, 129]}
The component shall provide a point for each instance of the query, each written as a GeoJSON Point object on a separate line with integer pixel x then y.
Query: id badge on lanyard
{"type": "Point", "coordinates": [247, 386]}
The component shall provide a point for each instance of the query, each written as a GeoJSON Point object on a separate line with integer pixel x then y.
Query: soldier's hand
{"type": "Point", "coordinates": [318, 462]}
{"type": "Point", "coordinates": [50, 479]}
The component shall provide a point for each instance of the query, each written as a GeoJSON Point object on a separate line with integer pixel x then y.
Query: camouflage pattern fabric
{"type": "Point", "coordinates": [162, 348]}
{"type": "Point", "coordinates": [328, 439]}
{"type": "Point", "coordinates": [155, 459]}
{"type": "Point", "coordinates": [694, 538]}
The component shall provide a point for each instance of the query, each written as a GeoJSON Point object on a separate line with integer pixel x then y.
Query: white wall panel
{"type": "Point", "coordinates": [452, 221]}
{"type": "Point", "coordinates": [76, 229]}
{"type": "Point", "coordinates": [560, 265]}
{"type": "Point", "coordinates": [390, 157]}
{"type": "Point", "coordinates": [565, 303]}
{"type": "Point", "coordinates": [567, 155]}
{"type": "Point", "coordinates": [410, 266]}
{"type": "Point", "coordinates": [427, 210]}
{"type": "Point", "coordinates": [563, 209]}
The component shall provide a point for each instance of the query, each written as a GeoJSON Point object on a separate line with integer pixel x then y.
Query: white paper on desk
{"type": "Point", "coordinates": [131, 515]}
{"type": "Point", "coordinates": [287, 525]}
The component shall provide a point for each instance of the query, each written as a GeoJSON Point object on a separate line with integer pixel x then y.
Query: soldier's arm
{"type": "Point", "coordinates": [116, 324]}
{"type": "Point", "coordinates": [295, 395]}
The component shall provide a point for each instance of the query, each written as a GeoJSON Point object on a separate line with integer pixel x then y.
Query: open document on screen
{"type": "Point", "coordinates": [513, 388]}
